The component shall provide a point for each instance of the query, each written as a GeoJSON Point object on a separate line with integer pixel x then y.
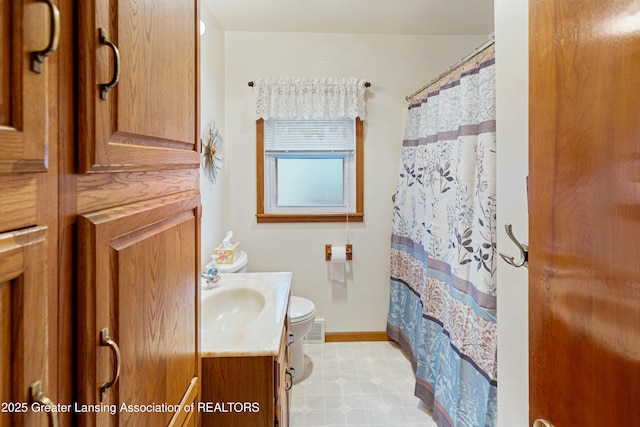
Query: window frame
{"type": "Point", "coordinates": [356, 216]}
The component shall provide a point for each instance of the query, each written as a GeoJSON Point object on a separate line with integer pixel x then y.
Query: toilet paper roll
{"type": "Point", "coordinates": [338, 263]}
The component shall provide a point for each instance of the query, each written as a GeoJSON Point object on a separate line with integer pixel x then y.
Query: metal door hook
{"type": "Point", "coordinates": [523, 247]}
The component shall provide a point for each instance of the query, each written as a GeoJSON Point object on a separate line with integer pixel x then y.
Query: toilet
{"type": "Point", "coordinates": [302, 313]}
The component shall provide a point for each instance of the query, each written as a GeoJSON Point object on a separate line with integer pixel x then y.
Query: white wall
{"type": "Point", "coordinates": [212, 81]}
{"type": "Point", "coordinates": [511, 30]}
{"type": "Point", "coordinates": [395, 65]}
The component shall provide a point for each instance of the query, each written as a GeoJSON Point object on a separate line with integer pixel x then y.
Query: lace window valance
{"type": "Point", "coordinates": [330, 98]}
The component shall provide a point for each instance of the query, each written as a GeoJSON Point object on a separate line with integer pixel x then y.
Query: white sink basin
{"type": "Point", "coordinates": [244, 315]}
{"type": "Point", "coordinates": [231, 308]}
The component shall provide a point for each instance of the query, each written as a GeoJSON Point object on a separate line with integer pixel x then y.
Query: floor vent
{"type": "Point", "coordinates": [316, 334]}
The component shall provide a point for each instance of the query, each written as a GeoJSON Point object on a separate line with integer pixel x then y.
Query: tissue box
{"type": "Point", "coordinates": [229, 255]}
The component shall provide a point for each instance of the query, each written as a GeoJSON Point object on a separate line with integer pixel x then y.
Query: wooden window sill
{"type": "Point", "coordinates": [285, 218]}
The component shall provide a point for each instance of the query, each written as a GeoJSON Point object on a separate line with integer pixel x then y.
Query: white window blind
{"type": "Point", "coordinates": [309, 135]}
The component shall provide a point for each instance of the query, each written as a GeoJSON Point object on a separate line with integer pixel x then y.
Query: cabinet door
{"type": "Point", "coordinates": [284, 377]}
{"type": "Point", "coordinates": [28, 287]}
{"type": "Point", "coordinates": [285, 406]}
{"type": "Point", "coordinates": [24, 323]}
{"type": "Point", "coordinates": [138, 85]}
{"type": "Point", "coordinates": [138, 281]}
{"type": "Point", "coordinates": [23, 95]}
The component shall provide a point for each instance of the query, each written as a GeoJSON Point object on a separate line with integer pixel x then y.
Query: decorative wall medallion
{"type": "Point", "coordinates": [211, 151]}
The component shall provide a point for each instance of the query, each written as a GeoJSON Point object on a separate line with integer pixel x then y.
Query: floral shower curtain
{"type": "Point", "coordinates": [443, 267]}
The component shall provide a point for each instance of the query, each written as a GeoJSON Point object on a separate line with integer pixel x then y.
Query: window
{"type": "Point", "coordinates": [310, 149]}
{"type": "Point", "coordinates": [310, 170]}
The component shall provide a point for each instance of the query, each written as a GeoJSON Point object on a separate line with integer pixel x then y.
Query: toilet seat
{"type": "Point", "coordinates": [301, 309]}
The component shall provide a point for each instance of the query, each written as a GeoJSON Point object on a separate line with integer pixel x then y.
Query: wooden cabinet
{"type": "Point", "coordinates": [23, 84]}
{"type": "Point", "coordinates": [138, 285]}
{"type": "Point", "coordinates": [28, 217]}
{"type": "Point", "coordinates": [248, 390]}
{"type": "Point", "coordinates": [135, 195]}
{"type": "Point", "coordinates": [25, 353]}
{"type": "Point", "coordinates": [100, 208]}
{"type": "Point", "coordinates": [284, 374]}
{"type": "Point", "coordinates": [138, 85]}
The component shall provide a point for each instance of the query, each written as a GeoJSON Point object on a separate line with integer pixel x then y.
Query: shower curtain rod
{"type": "Point", "coordinates": [486, 44]}
{"type": "Point", "coordinates": [366, 84]}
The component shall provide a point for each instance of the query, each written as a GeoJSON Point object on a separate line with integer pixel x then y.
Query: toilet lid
{"type": "Point", "coordinates": [300, 308]}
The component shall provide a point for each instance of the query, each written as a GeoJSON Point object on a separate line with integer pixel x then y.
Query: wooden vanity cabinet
{"type": "Point", "coordinates": [247, 390]}
{"type": "Point", "coordinates": [285, 375]}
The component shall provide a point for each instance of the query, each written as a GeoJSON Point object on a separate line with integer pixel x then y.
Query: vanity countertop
{"type": "Point", "coordinates": [259, 337]}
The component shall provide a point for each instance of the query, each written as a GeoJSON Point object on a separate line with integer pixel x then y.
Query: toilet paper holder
{"type": "Point", "coordinates": [327, 252]}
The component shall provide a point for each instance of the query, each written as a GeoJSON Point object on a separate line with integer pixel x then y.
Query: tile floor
{"type": "Point", "coordinates": [357, 384]}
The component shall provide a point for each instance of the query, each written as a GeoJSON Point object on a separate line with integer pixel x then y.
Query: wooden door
{"type": "Point", "coordinates": [584, 298]}
{"type": "Point", "coordinates": [28, 241]}
{"type": "Point", "coordinates": [139, 284]}
{"type": "Point", "coordinates": [138, 69]}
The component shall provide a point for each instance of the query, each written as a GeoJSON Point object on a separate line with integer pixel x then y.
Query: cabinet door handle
{"type": "Point", "coordinates": [292, 338]}
{"type": "Point", "coordinates": [105, 340]}
{"type": "Point", "coordinates": [36, 395]}
{"type": "Point", "coordinates": [37, 58]}
{"type": "Point", "coordinates": [291, 376]}
{"type": "Point", "coordinates": [106, 87]}
{"type": "Point", "coordinates": [290, 381]}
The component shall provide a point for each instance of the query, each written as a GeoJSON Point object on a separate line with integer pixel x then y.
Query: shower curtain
{"type": "Point", "coordinates": [442, 307]}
